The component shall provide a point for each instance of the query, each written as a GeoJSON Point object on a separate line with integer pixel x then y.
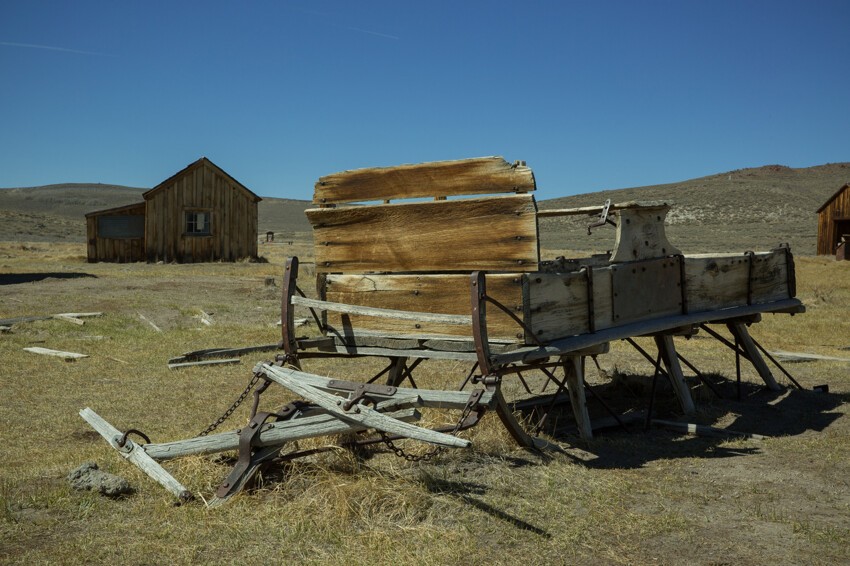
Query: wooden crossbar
{"type": "Point", "coordinates": [383, 313]}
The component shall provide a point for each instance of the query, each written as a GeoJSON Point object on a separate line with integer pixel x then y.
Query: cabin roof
{"type": "Point", "coordinates": [199, 163]}
{"type": "Point", "coordinates": [833, 197]}
{"type": "Point", "coordinates": [124, 208]}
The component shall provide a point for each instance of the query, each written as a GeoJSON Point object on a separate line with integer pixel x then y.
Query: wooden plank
{"type": "Point", "coordinates": [484, 175]}
{"type": "Point", "coordinates": [56, 353]}
{"type": "Point", "coordinates": [595, 210]}
{"type": "Point", "coordinates": [33, 318]}
{"type": "Point", "coordinates": [557, 303]}
{"type": "Point", "coordinates": [492, 234]}
{"type": "Point", "coordinates": [452, 319]}
{"type": "Point", "coordinates": [429, 293]}
{"type": "Point", "coordinates": [721, 281]}
{"type": "Point", "coordinates": [713, 282]}
{"type": "Point", "coordinates": [360, 414]}
{"type": "Point", "coordinates": [275, 434]}
{"type": "Point", "coordinates": [228, 361]}
{"type": "Point", "coordinates": [704, 430]}
{"type": "Point", "coordinates": [769, 280]}
{"type": "Point", "coordinates": [135, 454]}
{"type": "Point", "coordinates": [804, 357]}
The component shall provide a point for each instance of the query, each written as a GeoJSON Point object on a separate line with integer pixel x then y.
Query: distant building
{"type": "Point", "coordinates": [199, 214]}
{"type": "Point", "coordinates": [834, 221]}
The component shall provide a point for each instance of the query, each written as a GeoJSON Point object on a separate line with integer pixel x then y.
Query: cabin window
{"type": "Point", "coordinates": [121, 227]}
{"type": "Point", "coordinates": [198, 222]}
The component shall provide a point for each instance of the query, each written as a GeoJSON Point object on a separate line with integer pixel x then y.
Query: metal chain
{"type": "Point", "coordinates": [427, 456]}
{"type": "Point", "coordinates": [232, 407]}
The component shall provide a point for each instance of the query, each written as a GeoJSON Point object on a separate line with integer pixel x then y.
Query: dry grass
{"type": "Point", "coordinates": [621, 499]}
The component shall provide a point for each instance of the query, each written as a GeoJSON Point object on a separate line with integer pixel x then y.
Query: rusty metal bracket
{"type": "Point", "coordinates": [287, 311]}
{"type": "Point", "coordinates": [362, 391]}
{"type": "Point", "coordinates": [250, 456]}
{"type": "Point", "coordinates": [603, 218]}
{"type": "Point", "coordinates": [791, 272]}
{"type": "Point", "coordinates": [121, 442]}
{"type": "Point", "coordinates": [591, 316]}
{"type": "Point", "coordinates": [247, 462]}
{"type": "Point", "coordinates": [682, 281]}
{"type": "Point", "coordinates": [478, 294]}
{"type": "Point", "coordinates": [750, 257]}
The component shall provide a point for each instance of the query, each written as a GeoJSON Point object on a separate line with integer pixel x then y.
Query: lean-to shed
{"type": "Point", "coordinates": [116, 234]}
{"type": "Point", "coordinates": [198, 214]}
{"type": "Point", "coordinates": [834, 221]}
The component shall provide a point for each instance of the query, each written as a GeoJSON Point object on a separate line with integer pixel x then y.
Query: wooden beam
{"type": "Point", "coordinates": [135, 454]}
{"type": "Point", "coordinates": [274, 435]}
{"type": "Point", "coordinates": [739, 330]}
{"type": "Point", "coordinates": [652, 326]}
{"type": "Point", "coordinates": [575, 386]}
{"type": "Point", "coordinates": [483, 175]}
{"type": "Point", "coordinates": [670, 358]}
{"type": "Point", "coordinates": [359, 414]}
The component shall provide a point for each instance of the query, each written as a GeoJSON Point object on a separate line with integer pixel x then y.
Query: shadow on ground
{"type": "Point", "coordinates": [19, 278]}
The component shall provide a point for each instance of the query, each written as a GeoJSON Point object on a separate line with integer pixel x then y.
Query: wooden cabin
{"type": "Point", "coordinates": [198, 214]}
{"type": "Point", "coordinates": [834, 221]}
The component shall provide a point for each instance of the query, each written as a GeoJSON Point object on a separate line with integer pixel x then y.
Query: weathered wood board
{"type": "Point", "coordinates": [484, 175]}
{"type": "Point", "coordinates": [491, 234]}
{"type": "Point", "coordinates": [439, 294]}
{"type": "Point", "coordinates": [557, 303]}
{"type": "Point", "coordinates": [722, 281]}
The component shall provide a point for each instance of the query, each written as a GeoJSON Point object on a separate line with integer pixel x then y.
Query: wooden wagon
{"type": "Point", "coordinates": [441, 261]}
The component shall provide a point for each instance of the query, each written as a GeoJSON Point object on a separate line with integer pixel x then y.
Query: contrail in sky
{"type": "Point", "coordinates": [388, 36]}
{"type": "Point", "coordinates": [52, 48]}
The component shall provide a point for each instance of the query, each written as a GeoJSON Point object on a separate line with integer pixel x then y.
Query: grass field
{"type": "Point", "coordinates": [624, 498]}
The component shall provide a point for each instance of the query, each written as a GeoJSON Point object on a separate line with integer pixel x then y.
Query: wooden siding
{"type": "Point", "coordinates": [120, 250]}
{"type": "Point", "coordinates": [835, 210]}
{"type": "Point", "coordinates": [201, 187]}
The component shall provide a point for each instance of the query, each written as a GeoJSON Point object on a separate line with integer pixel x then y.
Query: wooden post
{"type": "Point", "coordinates": [739, 331]}
{"type": "Point", "coordinates": [397, 372]}
{"type": "Point", "coordinates": [665, 345]}
{"type": "Point", "coordinates": [574, 375]}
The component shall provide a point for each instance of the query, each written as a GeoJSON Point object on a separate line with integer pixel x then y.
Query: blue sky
{"type": "Point", "coordinates": [593, 95]}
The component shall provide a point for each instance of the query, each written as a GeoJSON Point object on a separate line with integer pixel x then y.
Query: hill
{"type": "Point", "coordinates": [56, 213]}
{"type": "Point", "coordinates": [753, 208]}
